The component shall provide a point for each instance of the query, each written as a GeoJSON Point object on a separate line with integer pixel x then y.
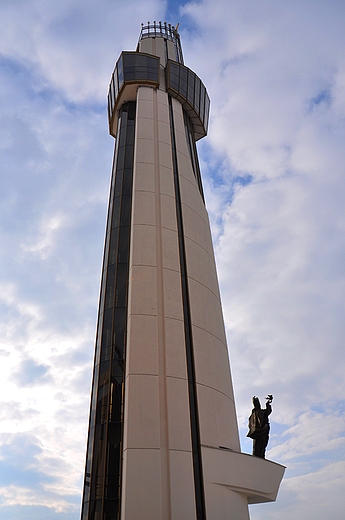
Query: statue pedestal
{"type": "Point", "coordinates": [233, 480]}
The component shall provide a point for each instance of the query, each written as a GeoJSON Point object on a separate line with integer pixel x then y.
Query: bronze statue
{"type": "Point", "coordinates": [259, 426]}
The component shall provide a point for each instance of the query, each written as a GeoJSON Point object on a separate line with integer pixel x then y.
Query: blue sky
{"type": "Point", "coordinates": [274, 178]}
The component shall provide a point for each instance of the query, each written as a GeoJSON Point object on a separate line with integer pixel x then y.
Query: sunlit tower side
{"type": "Point", "coordinates": [163, 439]}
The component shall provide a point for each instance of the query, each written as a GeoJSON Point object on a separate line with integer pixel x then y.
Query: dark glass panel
{"type": "Point", "coordinates": [125, 211]}
{"type": "Point", "coordinates": [114, 444]}
{"type": "Point", "coordinates": [127, 181]}
{"type": "Point", "coordinates": [112, 93]}
{"type": "Point", "coordinates": [191, 87]}
{"type": "Point", "coordinates": [123, 254]}
{"type": "Point", "coordinates": [107, 329]}
{"type": "Point", "coordinates": [128, 162]}
{"type": "Point", "coordinates": [174, 75]}
{"type": "Point", "coordinates": [116, 85]}
{"type": "Point", "coordinates": [202, 103]}
{"type": "Point", "coordinates": [119, 330]}
{"type": "Point", "coordinates": [109, 108]}
{"type": "Point", "coordinates": [120, 72]}
{"type": "Point", "coordinates": [111, 509]}
{"type": "Point", "coordinates": [121, 154]}
{"type": "Point", "coordinates": [131, 111]}
{"type": "Point", "coordinates": [116, 212]}
{"type": "Point", "coordinates": [118, 184]}
{"type": "Point", "coordinates": [121, 285]}
{"type": "Point", "coordinates": [130, 133]}
{"type": "Point", "coordinates": [114, 237]}
{"type": "Point", "coordinates": [183, 82]}
{"type": "Point", "coordinates": [104, 458]}
{"type": "Point", "coordinates": [123, 125]}
{"type": "Point", "coordinates": [207, 110]}
{"type": "Point", "coordinates": [110, 288]}
{"type": "Point", "coordinates": [197, 94]}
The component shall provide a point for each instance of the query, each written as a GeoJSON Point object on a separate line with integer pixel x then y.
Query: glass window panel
{"type": "Point", "coordinates": [128, 162]}
{"type": "Point", "coordinates": [112, 93]}
{"type": "Point", "coordinates": [130, 132]}
{"type": "Point", "coordinates": [116, 87]}
{"type": "Point", "coordinates": [127, 181]}
{"type": "Point", "coordinates": [118, 182]}
{"type": "Point", "coordinates": [110, 290]}
{"type": "Point", "coordinates": [119, 331]}
{"type": "Point", "coordinates": [207, 110]}
{"type": "Point", "coordinates": [174, 74]}
{"type": "Point", "coordinates": [121, 285]}
{"type": "Point", "coordinates": [107, 328]}
{"type": "Point", "coordinates": [202, 102]}
{"type": "Point", "coordinates": [183, 82]}
{"type": "Point", "coordinates": [120, 72]}
{"type": "Point", "coordinates": [114, 237]}
{"type": "Point", "coordinates": [124, 245]}
{"type": "Point", "coordinates": [116, 212]}
{"type": "Point", "coordinates": [125, 211]}
{"type": "Point", "coordinates": [109, 108]}
{"type": "Point", "coordinates": [197, 94]}
{"type": "Point", "coordinates": [191, 87]}
{"type": "Point", "coordinates": [120, 154]}
{"type": "Point", "coordinates": [129, 60]}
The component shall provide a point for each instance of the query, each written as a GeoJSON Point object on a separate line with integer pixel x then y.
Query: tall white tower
{"type": "Point", "coordinates": [163, 439]}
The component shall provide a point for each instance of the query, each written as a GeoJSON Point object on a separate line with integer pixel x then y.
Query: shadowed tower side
{"type": "Point", "coordinates": [163, 439]}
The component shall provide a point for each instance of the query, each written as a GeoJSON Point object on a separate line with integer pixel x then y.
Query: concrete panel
{"type": "Point", "coordinates": [162, 108]}
{"type": "Point", "coordinates": [143, 291]}
{"type": "Point", "coordinates": [167, 181]}
{"type": "Point", "coordinates": [171, 259]}
{"type": "Point", "coordinates": [201, 266]}
{"type": "Point", "coordinates": [145, 93]}
{"type": "Point", "coordinates": [196, 228]}
{"type": "Point", "coordinates": [144, 178]}
{"type": "Point", "coordinates": [175, 348]}
{"type": "Point", "coordinates": [142, 416]}
{"type": "Point", "coordinates": [158, 49]}
{"type": "Point", "coordinates": [207, 416]}
{"type": "Point", "coordinates": [171, 50]}
{"type": "Point", "coordinates": [164, 132]}
{"type": "Point", "coordinates": [168, 215]}
{"type": "Point", "coordinates": [144, 151]}
{"type": "Point", "coordinates": [143, 208]}
{"type": "Point", "coordinates": [142, 345]}
{"type": "Point", "coordinates": [226, 422]}
{"type": "Point", "coordinates": [178, 115]}
{"type": "Point", "coordinates": [212, 362]}
{"type": "Point", "coordinates": [141, 498]}
{"type": "Point", "coordinates": [145, 109]}
{"type": "Point", "coordinates": [165, 156]}
{"type": "Point", "coordinates": [145, 45]}
{"type": "Point", "coordinates": [178, 414]}
{"type": "Point", "coordinates": [172, 294]}
{"type": "Point", "coordinates": [206, 311]}
{"type": "Point", "coordinates": [182, 486]}
{"type": "Point", "coordinates": [185, 168]}
{"type": "Point", "coordinates": [144, 128]}
{"type": "Point", "coordinates": [143, 247]}
{"type": "Point", "coordinates": [217, 416]}
{"type": "Point", "coordinates": [181, 144]}
{"type": "Point", "coordinates": [191, 196]}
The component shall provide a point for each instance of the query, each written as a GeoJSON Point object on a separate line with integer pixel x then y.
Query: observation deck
{"type": "Point", "coordinates": [158, 62]}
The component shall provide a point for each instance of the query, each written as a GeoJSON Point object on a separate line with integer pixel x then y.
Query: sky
{"type": "Point", "coordinates": [273, 167]}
